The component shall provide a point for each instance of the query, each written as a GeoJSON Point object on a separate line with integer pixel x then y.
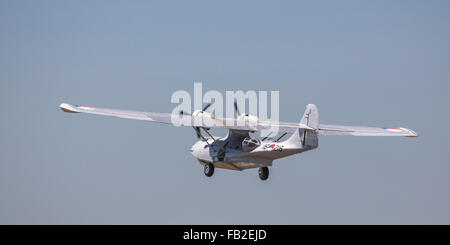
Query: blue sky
{"type": "Point", "coordinates": [373, 63]}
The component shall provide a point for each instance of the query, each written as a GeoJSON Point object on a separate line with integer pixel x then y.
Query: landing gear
{"type": "Point", "coordinates": [209, 169]}
{"type": "Point", "coordinates": [263, 173]}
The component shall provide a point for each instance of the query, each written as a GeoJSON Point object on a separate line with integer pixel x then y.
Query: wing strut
{"type": "Point", "coordinates": [279, 138]}
{"type": "Point", "coordinates": [266, 136]}
{"type": "Point", "coordinates": [220, 145]}
{"type": "Point", "coordinates": [201, 136]}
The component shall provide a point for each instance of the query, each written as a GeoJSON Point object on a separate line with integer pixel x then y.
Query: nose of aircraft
{"type": "Point", "coordinates": [194, 146]}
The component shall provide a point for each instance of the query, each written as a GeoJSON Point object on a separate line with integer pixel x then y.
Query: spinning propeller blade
{"type": "Point", "coordinates": [206, 107]}
{"type": "Point", "coordinates": [236, 108]}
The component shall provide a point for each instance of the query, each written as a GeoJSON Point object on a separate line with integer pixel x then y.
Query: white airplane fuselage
{"type": "Point", "coordinates": [228, 152]}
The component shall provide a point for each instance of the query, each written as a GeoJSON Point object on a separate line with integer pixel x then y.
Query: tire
{"type": "Point", "coordinates": [209, 169]}
{"type": "Point", "coordinates": [263, 173]}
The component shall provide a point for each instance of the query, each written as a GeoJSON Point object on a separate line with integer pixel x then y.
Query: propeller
{"type": "Point", "coordinates": [206, 107]}
{"type": "Point", "coordinates": [236, 108]}
{"type": "Point", "coordinates": [187, 113]}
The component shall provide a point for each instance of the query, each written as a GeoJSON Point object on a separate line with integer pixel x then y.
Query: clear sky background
{"type": "Point", "coordinates": [372, 63]}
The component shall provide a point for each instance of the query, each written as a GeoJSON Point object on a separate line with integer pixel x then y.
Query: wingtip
{"type": "Point", "coordinates": [68, 108]}
{"type": "Point", "coordinates": [412, 133]}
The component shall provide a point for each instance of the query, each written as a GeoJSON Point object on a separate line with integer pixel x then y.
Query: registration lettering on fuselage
{"type": "Point", "coordinates": [273, 147]}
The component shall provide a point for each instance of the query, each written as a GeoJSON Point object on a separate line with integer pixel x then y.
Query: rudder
{"type": "Point", "coordinates": [307, 138]}
{"type": "Point", "coordinates": [311, 116]}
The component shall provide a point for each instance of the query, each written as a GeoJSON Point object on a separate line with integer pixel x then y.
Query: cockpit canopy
{"type": "Point", "coordinates": [249, 144]}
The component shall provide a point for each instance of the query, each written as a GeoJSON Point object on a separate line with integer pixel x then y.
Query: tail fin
{"type": "Point", "coordinates": [306, 138]}
{"type": "Point", "coordinates": [311, 116]}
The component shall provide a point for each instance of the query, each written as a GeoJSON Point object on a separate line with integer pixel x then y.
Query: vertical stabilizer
{"type": "Point", "coordinates": [311, 116]}
{"type": "Point", "coordinates": [306, 138]}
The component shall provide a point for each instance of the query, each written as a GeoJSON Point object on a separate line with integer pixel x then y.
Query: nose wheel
{"type": "Point", "coordinates": [209, 169]}
{"type": "Point", "coordinates": [263, 173]}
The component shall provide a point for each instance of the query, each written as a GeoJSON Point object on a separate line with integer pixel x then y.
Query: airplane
{"type": "Point", "coordinates": [237, 150]}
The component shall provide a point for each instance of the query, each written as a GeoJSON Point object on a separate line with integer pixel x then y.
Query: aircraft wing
{"type": "Point", "coordinates": [326, 129]}
{"type": "Point", "coordinates": [137, 115]}
{"type": "Point", "coordinates": [196, 121]}
{"type": "Point", "coordinates": [236, 124]}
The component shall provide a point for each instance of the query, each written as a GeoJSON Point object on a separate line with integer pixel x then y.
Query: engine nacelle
{"type": "Point", "coordinates": [207, 118]}
{"type": "Point", "coordinates": [249, 119]}
{"type": "Point", "coordinates": [200, 113]}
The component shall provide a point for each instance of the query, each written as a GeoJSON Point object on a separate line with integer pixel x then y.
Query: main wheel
{"type": "Point", "coordinates": [263, 173]}
{"type": "Point", "coordinates": [209, 169]}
